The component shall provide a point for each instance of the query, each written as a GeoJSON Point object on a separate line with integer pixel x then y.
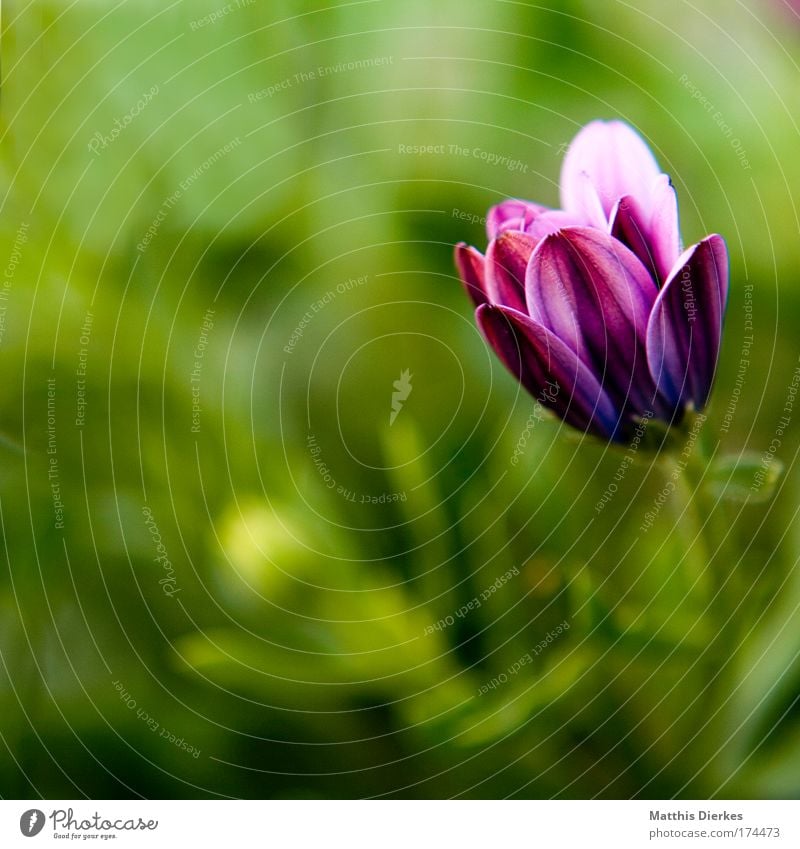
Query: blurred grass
{"type": "Point", "coordinates": [295, 656]}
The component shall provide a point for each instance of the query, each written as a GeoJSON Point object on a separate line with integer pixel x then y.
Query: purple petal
{"type": "Point", "coordinates": [470, 265]}
{"type": "Point", "coordinates": [548, 369]}
{"type": "Point", "coordinates": [612, 159]}
{"type": "Point", "coordinates": [511, 215]}
{"type": "Point", "coordinates": [596, 296]}
{"type": "Point", "coordinates": [628, 225]}
{"type": "Point", "coordinates": [552, 221]}
{"type": "Point", "coordinates": [665, 236]}
{"type": "Point", "coordinates": [685, 328]}
{"type": "Point", "coordinates": [506, 260]}
{"type": "Point", "coordinates": [536, 221]}
{"type": "Point", "coordinates": [654, 237]}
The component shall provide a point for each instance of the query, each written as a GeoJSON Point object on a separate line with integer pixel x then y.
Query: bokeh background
{"type": "Point", "coordinates": [225, 571]}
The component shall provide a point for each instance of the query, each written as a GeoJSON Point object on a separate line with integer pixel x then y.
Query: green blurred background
{"type": "Point", "coordinates": [218, 259]}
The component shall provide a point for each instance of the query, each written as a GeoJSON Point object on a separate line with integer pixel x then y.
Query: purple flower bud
{"type": "Point", "coordinates": [597, 297]}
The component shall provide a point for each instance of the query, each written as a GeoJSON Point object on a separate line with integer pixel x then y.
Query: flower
{"type": "Point", "coordinates": [598, 297]}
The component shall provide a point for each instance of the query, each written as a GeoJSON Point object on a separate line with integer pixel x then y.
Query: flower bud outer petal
{"type": "Point", "coordinates": [685, 328]}
{"type": "Point", "coordinates": [595, 295]}
{"type": "Point", "coordinates": [506, 262]}
{"type": "Point", "coordinates": [654, 239]}
{"type": "Point", "coordinates": [538, 360]}
{"type": "Point", "coordinates": [628, 225]}
{"type": "Point", "coordinates": [470, 264]}
{"type": "Point", "coordinates": [664, 230]}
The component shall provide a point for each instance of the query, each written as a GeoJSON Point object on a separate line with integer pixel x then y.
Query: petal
{"type": "Point", "coordinates": [506, 260]}
{"type": "Point", "coordinates": [628, 225]}
{"type": "Point", "coordinates": [536, 221]}
{"type": "Point", "coordinates": [470, 265]}
{"type": "Point", "coordinates": [665, 235]}
{"type": "Point", "coordinates": [685, 328]}
{"type": "Point", "coordinates": [548, 369]}
{"type": "Point", "coordinates": [585, 202]}
{"type": "Point", "coordinates": [654, 237]}
{"type": "Point", "coordinates": [613, 159]}
{"type": "Point", "coordinates": [511, 215]}
{"type": "Point", "coordinates": [552, 221]}
{"type": "Point", "coordinates": [595, 295]}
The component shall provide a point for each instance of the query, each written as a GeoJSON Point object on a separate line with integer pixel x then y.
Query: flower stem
{"type": "Point", "coordinates": [714, 536]}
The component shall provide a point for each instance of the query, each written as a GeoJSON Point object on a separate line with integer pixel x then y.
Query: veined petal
{"type": "Point", "coordinates": [654, 237]}
{"type": "Point", "coordinates": [596, 296]}
{"type": "Point", "coordinates": [548, 369]}
{"type": "Point", "coordinates": [506, 260]}
{"type": "Point", "coordinates": [511, 215]}
{"type": "Point", "coordinates": [685, 327]}
{"type": "Point", "coordinates": [628, 224]}
{"type": "Point", "coordinates": [470, 265]}
{"type": "Point", "coordinates": [665, 233]}
{"type": "Point", "coordinates": [616, 161]}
